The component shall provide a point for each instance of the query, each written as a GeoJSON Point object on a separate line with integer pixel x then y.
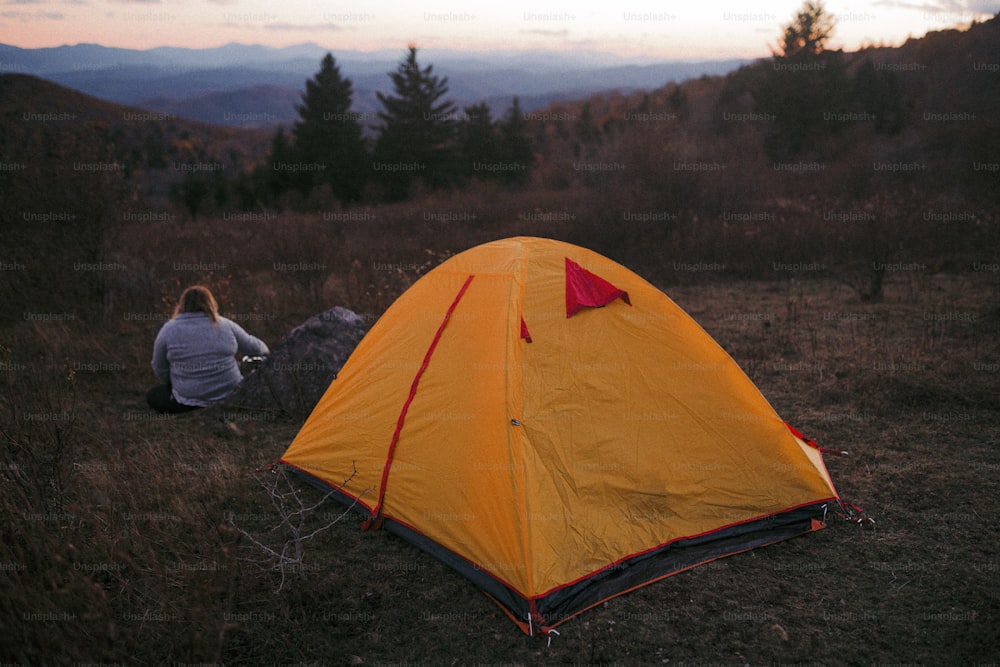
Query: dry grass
{"type": "Point", "coordinates": [117, 536]}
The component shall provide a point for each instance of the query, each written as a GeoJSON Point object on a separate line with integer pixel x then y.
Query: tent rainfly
{"type": "Point", "coordinates": [559, 431]}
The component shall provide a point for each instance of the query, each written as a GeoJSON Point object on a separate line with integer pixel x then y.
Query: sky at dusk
{"type": "Point", "coordinates": [703, 29]}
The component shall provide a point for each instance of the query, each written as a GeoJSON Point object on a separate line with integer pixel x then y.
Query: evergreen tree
{"type": "Point", "coordinates": [586, 130]}
{"type": "Point", "coordinates": [515, 146]}
{"type": "Point", "coordinates": [416, 139]}
{"type": "Point", "coordinates": [881, 95]}
{"type": "Point", "coordinates": [806, 36]}
{"type": "Point", "coordinates": [191, 191]}
{"type": "Point", "coordinates": [478, 143]}
{"type": "Point", "coordinates": [805, 85]}
{"type": "Point", "coordinates": [276, 175]}
{"type": "Point", "coordinates": [245, 191]}
{"type": "Point", "coordinates": [329, 147]}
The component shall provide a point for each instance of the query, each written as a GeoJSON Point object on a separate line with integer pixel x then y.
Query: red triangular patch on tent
{"type": "Point", "coordinates": [584, 289]}
{"type": "Point", "coordinates": [525, 334]}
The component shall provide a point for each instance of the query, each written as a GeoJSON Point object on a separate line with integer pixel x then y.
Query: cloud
{"type": "Point", "coordinates": [33, 16]}
{"type": "Point", "coordinates": [302, 27]}
{"type": "Point", "coordinates": [546, 33]}
{"type": "Point", "coordinates": [966, 8]}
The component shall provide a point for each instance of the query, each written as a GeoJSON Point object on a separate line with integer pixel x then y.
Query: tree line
{"type": "Point", "coordinates": [806, 92]}
{"type": "Point", "coordinates": [423, 142]}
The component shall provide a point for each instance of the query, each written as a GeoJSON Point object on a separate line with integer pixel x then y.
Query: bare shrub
{"type": "Point", "coordinates": [296, 523]}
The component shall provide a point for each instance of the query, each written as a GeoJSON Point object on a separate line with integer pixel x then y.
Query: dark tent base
{"type": "Point", "coordinates": [561, 604]}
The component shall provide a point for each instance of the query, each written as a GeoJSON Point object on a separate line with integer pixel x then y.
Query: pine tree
{"type": "Point", "coordinates": [478, 143]}
{"type": "Point", "coordinates": [805, 84]}
{"type": "Point", "coordinates": [515, 146]}
{"type": "Point", "coordinates": [881, 95]}
{"type": "Point", "coordinates": [416, 139]}
{"type": "Point", "coordinates": [806, 36]}
{"type": "Point", "coordinates": [586, 130]}
{"type": "Point", "coordinates": [275, 178]}
{"type": "Point", "coordinates": [328, 142]}
{"type": "Point", "coordinates": [191, 192]}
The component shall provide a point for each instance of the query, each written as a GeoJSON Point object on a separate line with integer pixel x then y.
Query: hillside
{"type": "Point", "coordinates": [204, 84]}
{"type": "Point", "coordinates": [263, 106]}
{"type": "Point", "coordinates": [945, 87]}
{"type": "Point", "coordinates": [74, 169]}
{"type": "Point", "coordinates": [900, 170]}
{"type": "Point", "coordinates": [153, 149]}
{"type": "Point", "coordinates": [901, 165]}
{"type": "Point", "coordinates": [852, 274]}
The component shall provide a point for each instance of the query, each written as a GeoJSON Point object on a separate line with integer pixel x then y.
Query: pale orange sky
{"type": "Point", "coordinates": [698, 30]}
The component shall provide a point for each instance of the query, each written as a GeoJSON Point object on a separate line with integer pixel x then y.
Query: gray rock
{"type": "Point", "coordinates": [302, 364]}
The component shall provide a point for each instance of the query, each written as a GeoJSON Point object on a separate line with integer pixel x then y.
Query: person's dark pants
{"type": "Point", "coordinates": [161, 399]}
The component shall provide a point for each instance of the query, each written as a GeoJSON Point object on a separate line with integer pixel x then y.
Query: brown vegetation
{"type": "Point", "coordinates": [864, 303]}
{"type": "Point", "coordinates": [119, 540]}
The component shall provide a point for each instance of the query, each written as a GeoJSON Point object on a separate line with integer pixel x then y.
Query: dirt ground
{"type": "Point", "coordinates": [123, 543]}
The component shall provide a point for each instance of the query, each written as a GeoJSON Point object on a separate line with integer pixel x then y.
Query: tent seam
{"type": "Point", "coordinates": [377, 510]}
{"type": "Point", "coordinates": [520, 434]}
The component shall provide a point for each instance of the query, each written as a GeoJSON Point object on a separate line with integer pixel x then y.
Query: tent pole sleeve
{"type": "Point", "coordinates": [375, 520]}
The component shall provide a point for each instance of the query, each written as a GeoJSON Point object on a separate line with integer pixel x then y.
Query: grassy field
{"type": "Point", "coordinates": [123, 532]}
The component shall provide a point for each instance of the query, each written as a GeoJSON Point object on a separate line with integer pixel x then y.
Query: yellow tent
{"type": "Point", "coordinates": [558, 430]}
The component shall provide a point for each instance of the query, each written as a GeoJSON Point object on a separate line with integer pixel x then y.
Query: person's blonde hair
{"type": "Point", "coordinates": [198, 299]}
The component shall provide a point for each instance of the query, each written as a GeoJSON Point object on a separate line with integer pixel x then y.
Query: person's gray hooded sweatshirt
{"type": "Point", "coordinates": [197, 357]}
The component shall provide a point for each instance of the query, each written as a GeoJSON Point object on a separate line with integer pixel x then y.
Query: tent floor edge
{"type": "Point", "coordinates": [564, 603]}
{"type": "Point", "coordinates": [335, 492]}
{"type": "Point", "coordinates": [511, 602]}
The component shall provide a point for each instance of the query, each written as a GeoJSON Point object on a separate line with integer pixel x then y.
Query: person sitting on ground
{"type": "Point", "coordinates": [194, 355]}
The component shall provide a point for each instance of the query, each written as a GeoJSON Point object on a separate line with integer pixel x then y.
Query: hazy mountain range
{"type": "Point", "coordinates": [252, 85]}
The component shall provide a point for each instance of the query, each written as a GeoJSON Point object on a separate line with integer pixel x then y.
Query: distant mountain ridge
{"type": "Point", "coordinates": [252, 85]}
